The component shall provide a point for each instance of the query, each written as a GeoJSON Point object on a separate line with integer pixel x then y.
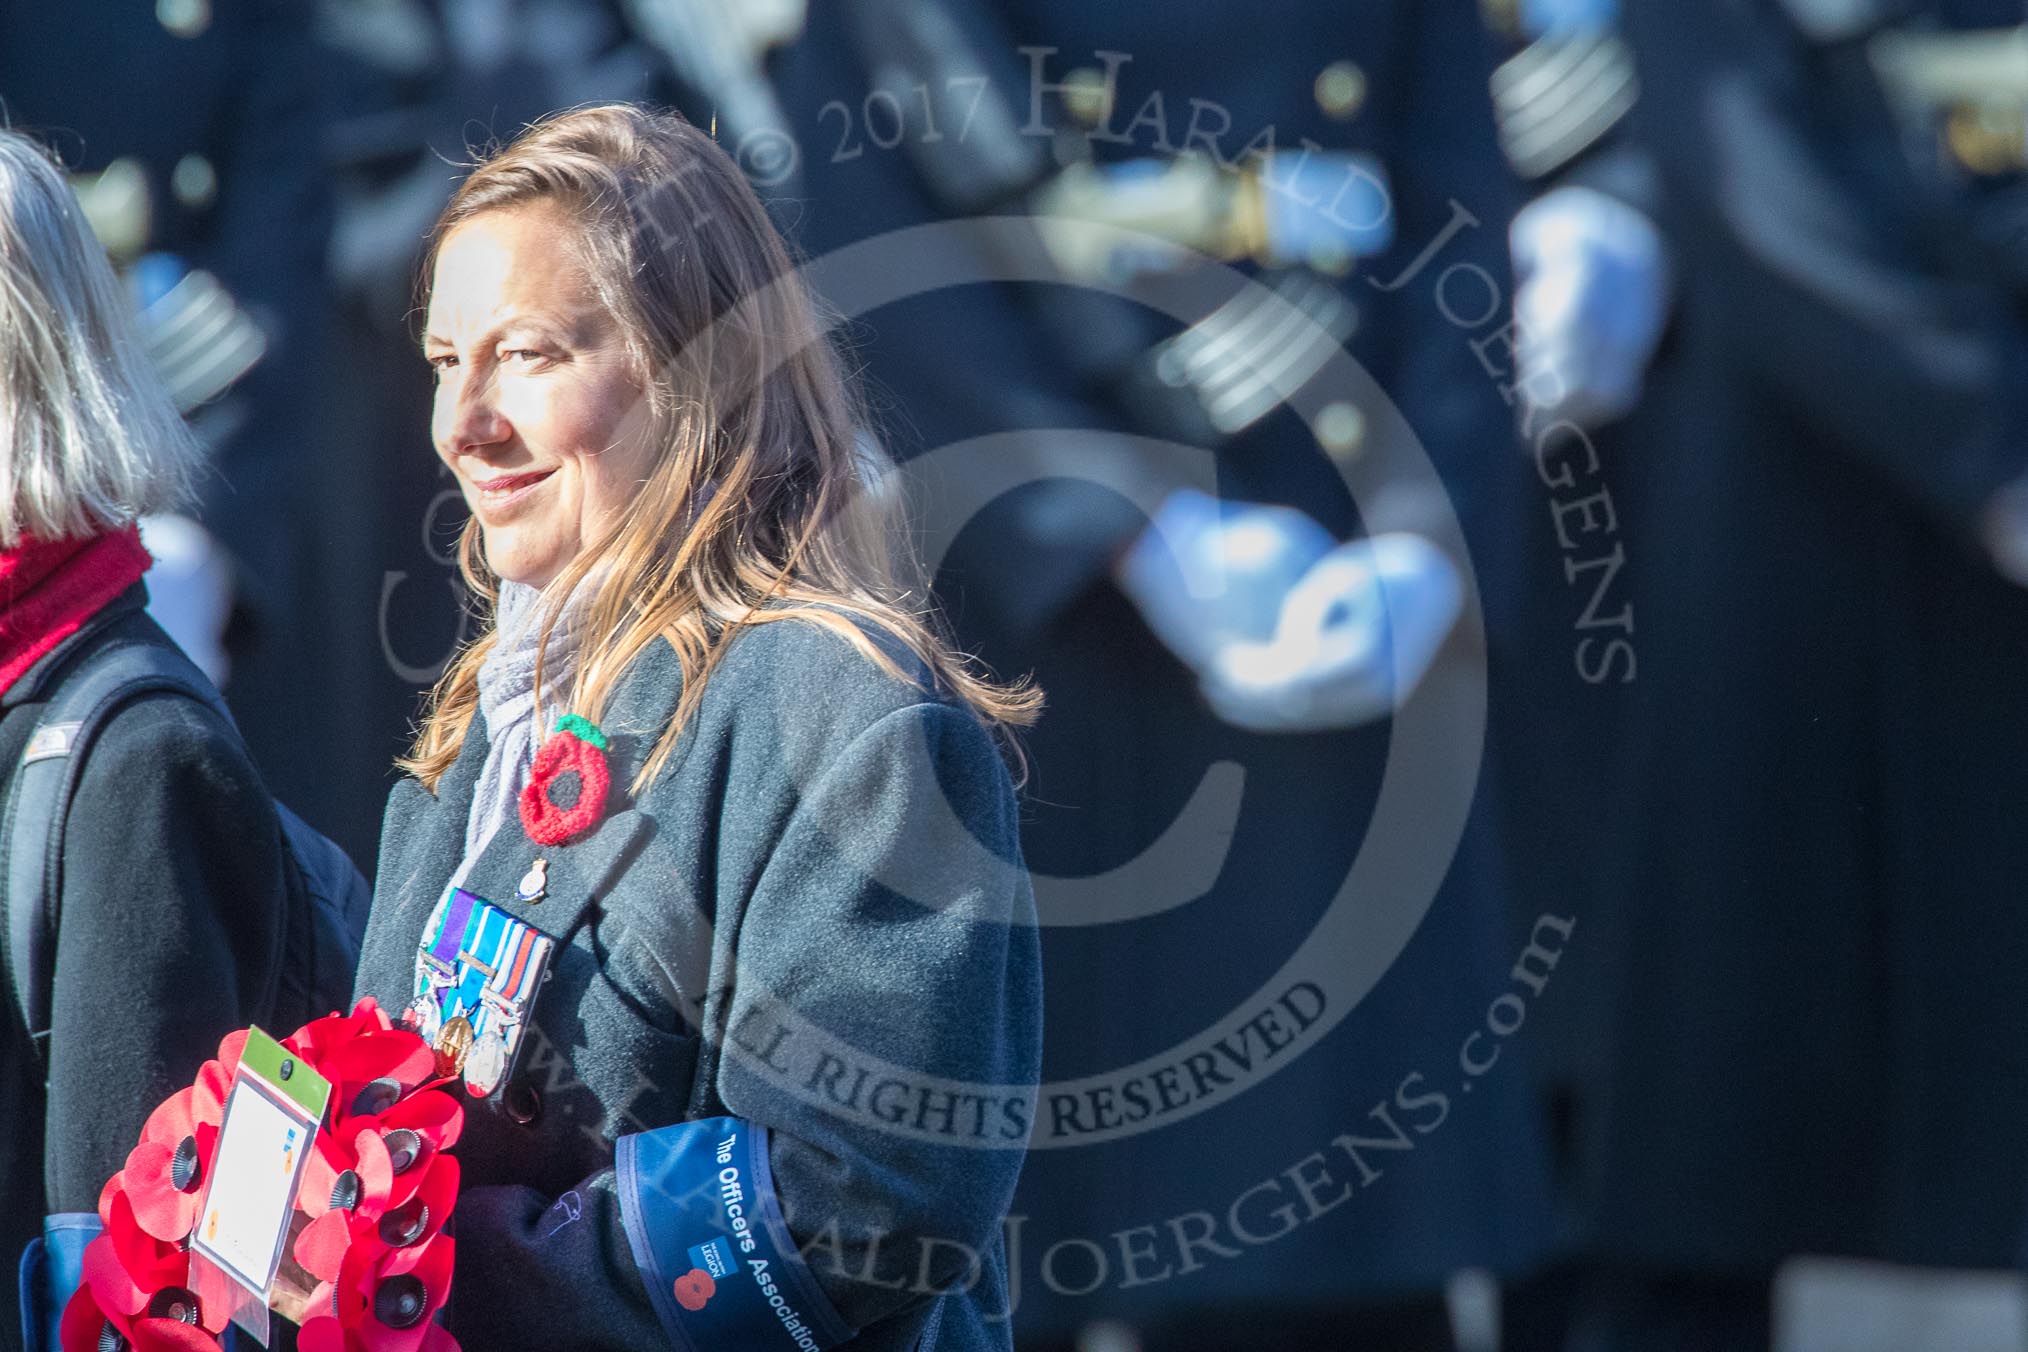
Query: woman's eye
{"type": "Point", "coordinates": [442, 363]}
{"type": "Point", "coordinates": [523, 354]}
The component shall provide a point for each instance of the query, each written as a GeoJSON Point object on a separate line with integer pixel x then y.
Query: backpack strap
{"type": "Point", "coordinates": [104, 679]}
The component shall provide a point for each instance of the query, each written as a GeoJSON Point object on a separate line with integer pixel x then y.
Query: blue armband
{"type": "Point", "coordinates": [52, 1269]}
{"type": "Point", "coordinates": [698, 1200]}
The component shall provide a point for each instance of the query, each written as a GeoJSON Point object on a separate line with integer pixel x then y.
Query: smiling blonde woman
{"type": "Point", "coordinates": [774, 1090]}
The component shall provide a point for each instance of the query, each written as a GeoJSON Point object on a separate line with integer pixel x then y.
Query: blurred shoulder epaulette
{"type": "Point", "coordinates": [1559, 95]}
{"type": "Point", "coordinates": [1836, 21]}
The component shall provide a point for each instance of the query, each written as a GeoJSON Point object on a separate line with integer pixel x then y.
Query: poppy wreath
{"type": "Point", "coordinates": [377, 1188]}
{"type": "Point", "coordinates": [577, 749]}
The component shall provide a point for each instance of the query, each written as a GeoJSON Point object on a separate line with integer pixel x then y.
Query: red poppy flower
{"type": "Point", "coordinates": [372, 1066]}
{"type": "Point", "coordinates": [321, 1246]}
{"type": "Point", "coordinates": [125, 1267]}
{"type": "Point", "coordinates": [321, 1168]}
{"type": "Point", "coordinates": [386, 1216]}
{"type": "Point", "coordinates": [171, 1335]}
{"type": "Point", "coordinates": [577, 749]}
{"type": "Point", "coordinates": [436, 1117]}
{"type": "Point", "coordinates": [165, 1172]}
{"type": "Point", "coordinates": [84, 1321]}
{"type": "Point", "coordinates": [326, 1334]}
{"type": "Point", "coordinates": [209, 1092]}
{"type": "Point", "coordinates": [368, 1162]}
{"type": "Point", "coordinates": [318, 1038]}
{"type": "Point", "coordinates": [386, 1266]}
{"type": "Point", "coordinates": [114, 1187]}
{"type": "Point", "coordinates": [390, 1063]}
{"type": "Point", "coordinates": [386, 1300]}
{"type": "Point", "coordinates": [408, 1134]}
{"type": "Point", "coordinates": [412, 1221]}
{"type": "Point", "coordinates": [426, 1271]}
{"type": "Point", "coordinates": [382, 1185]}
{"type": "Point", "coordinates": [323, 1333]}
{"type": "Point", "coordinates": [130, 1261]}
{"type": "Point", "coordinates": [694, 1288]}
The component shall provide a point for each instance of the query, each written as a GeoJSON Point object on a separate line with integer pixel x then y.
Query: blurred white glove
{"type": "Point", "coordinates": [1567, 18]}
{"type": "Point", "coordinates": [1205, 574]}
{"type": "Point", "coordinates": [1355, 638]}
{"type": "Point", "coordinates": [2003, 527]}
{"type": "Point", "coordinates": [190, 590]}
{"type": "Point", "coordinates": [1593, 283]}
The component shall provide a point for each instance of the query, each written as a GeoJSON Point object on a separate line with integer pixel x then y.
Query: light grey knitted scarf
{"type": "Point", "coordinates": [507, 702]}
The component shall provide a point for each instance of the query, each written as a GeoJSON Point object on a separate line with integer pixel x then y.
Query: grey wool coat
{"type": "Point", "coordinates": [815, 919]}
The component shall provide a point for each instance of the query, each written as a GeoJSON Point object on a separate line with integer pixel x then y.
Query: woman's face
{"type": "Point", "coordinates": [536, 404]}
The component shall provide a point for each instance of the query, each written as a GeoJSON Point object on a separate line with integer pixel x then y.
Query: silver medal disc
{"type": "Point", "coordinates": [485, 1064]}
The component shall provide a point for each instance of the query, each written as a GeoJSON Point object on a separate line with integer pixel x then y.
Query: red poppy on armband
{"type": "Point", "coordinates": [727, 1274]}
{"type": "Point", "coordinates": [571, 764]}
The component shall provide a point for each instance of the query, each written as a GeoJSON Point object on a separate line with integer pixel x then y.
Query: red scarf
{"type": "Point", "coordinates": [49, 588]}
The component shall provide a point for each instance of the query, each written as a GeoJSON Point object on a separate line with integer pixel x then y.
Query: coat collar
{"type": "Point", "coordinates": [34, 683]}
{"type": "Point", "coordinates": [426, 836]}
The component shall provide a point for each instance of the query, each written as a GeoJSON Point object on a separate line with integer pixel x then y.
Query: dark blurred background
{"type": "Point", "coordinates": [1528, 500]}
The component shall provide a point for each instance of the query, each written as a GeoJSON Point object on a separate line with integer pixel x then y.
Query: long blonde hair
{"type": "Point", "coordinates": [757, 508]}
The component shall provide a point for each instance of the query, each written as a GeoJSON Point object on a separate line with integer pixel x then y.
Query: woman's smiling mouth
{"type": "Point", "coordinates": [503, 492]}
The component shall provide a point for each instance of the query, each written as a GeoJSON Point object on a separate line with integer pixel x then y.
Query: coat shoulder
{"type": "Point", "coordinates": [170, 820]}
{"type": "Point", "coordinates": [790, 695]}
{"type": "Point", "coordinates": [806, 670]}
{"type": "Point", "coordinates": [163, 739]}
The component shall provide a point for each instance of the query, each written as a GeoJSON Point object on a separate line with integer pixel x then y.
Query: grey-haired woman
{"type": "Point", "coordinates": [152, 925]}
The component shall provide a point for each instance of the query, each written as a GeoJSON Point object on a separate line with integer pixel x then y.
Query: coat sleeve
{"type": "Point", "coordinates": [876, 1049]}
{"type": "Point", "coordinates": [1817, 253]}
{"type": "Point", "coordinates": [893, 936]}
{"type": "Point", "coordinates": [173, 901]}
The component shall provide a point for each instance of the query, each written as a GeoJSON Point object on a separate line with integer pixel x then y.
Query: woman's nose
{"type": "Point", "coordinates": [476, 422]}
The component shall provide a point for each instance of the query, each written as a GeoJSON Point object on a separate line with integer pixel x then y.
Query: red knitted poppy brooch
{"type": "Point", "coordinates": [566, 792]}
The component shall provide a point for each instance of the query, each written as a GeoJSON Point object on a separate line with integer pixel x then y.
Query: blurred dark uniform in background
{"type": "Point", "coordinates": [1755, 739]}
{"type": "Point", "coordinates": [1593, 289]}
{"type": "Point", "coordinates": [875, 96]}
{"type": "Point", "coordinates": [195, 129]}
{"type": "Point", "coordinates": [1821, 761]}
